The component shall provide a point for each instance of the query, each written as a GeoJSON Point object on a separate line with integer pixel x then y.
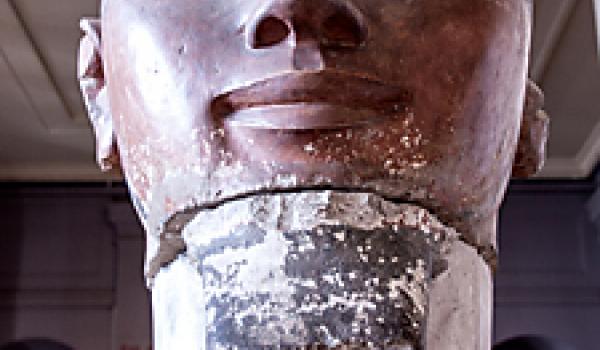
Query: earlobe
{"type": "Point", "coordinates": [531, 151]}
{"type": "Point", "coordinates": [93, 88]}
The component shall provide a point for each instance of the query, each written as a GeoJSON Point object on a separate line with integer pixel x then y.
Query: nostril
{"type": "Point", "coordinates": [269, 32]}
{"type": "Point", "coordinates": [342, 29]}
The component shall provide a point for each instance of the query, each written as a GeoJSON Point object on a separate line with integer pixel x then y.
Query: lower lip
{"type": "Point", "coordinates": [303, 116]}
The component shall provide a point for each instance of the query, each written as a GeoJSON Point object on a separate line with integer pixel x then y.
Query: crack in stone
{"type": "Point", "coordinates": [172, 244]}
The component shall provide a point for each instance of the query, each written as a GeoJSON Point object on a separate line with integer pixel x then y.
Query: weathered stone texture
{"type": "Point", "coordinates": [322, 268]}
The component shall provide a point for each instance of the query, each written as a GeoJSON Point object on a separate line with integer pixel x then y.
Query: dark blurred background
{"type": "Point", "coordinates": [71, 249]}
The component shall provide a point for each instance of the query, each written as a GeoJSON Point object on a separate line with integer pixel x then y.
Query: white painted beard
{"type": "Point", "coordinates": [320, 268]}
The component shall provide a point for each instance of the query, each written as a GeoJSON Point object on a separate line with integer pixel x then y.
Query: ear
{"type": "Point", "coordinates": [531, 151]}
{"type": "Point", "coordinates": [95, 96]}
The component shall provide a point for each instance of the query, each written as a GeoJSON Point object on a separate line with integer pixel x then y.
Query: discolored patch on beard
{"type": "Point", "coordinates": [343, 285]}
{"type": "Point", "coordinates": [345, 281]}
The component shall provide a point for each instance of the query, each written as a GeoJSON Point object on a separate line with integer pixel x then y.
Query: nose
{"type": "Point", "coordinates": [312, 25]}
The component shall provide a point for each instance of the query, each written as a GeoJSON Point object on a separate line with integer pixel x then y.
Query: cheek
{"type": "Point", "coordinates": [501, 79]}
{"type": "Point", "coordinates": [151, 146]}
{"type": "Point", "coordinates": [159, 77]}
{"type": "Point", "coordinates": [159, 100]}
{"type": "Point", "coordinates": [491, 118]}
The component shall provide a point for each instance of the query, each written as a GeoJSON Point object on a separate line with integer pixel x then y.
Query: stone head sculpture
{"type": "Point", "coordinates": [342, 140]}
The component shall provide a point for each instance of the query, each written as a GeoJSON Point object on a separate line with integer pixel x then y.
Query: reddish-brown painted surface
{"type": "Point", "coordinates": [419, 101]}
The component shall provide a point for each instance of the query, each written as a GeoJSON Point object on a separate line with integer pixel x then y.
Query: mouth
{"type": "Point", "coordinates": [311, 101]}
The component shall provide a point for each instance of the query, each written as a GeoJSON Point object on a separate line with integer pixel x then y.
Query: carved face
{"type": "Point", "coordinates": [418, 100]}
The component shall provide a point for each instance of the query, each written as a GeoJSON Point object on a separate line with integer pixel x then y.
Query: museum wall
{"type": "Point", "coordinates": [548, 281]}
{"type": "Point", "coordinates": [71, 268]}
{"type": "Point", "coordinates": [71, 265]}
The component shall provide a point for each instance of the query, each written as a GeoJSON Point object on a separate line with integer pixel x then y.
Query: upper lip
{"type": "Point", "coordinates": [350, 90]}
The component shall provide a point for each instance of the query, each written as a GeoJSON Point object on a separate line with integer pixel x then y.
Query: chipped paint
{"type": "Point", "coordinates": [343, 270]}
{"type": "Point", "coordinates": [325, 267]}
